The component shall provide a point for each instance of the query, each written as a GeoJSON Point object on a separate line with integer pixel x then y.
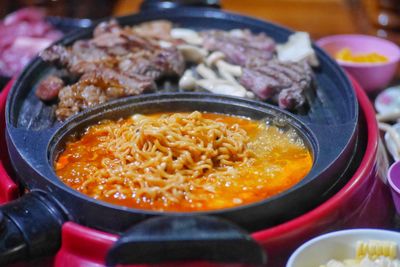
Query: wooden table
{"type": "Point", "coordinates": [318, 17]}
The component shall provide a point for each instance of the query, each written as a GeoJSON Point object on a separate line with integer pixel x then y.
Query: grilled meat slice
{"type": "Point", "coordinates": [154, 64]}
{"type": "Point", "coordinates": [105, 27]}
{"type": "Point", "coordinates": [283, 82]}
{"type": "Point", "coordinates": [171, 61]}
{"type": "Point", "coordinates": [97, 87]}
{"type": "Point", "coordinates": [49, 88]}
{"type": "Point", "coordinates": [82, 57]}
{"type": "Point", "coordinates": [157, 29]}
{"type": "Point", "coordinates": [122, 49]}
{"type": "Point", "coordinates": [132, 83]}
{"type": "Point", "coordinates": [240, 47]}
{"type": "Point", "coordinates": [56, 54]}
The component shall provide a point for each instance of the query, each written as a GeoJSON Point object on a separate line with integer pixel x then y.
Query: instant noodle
{"type": "Point", "coordinates": [183, 161]}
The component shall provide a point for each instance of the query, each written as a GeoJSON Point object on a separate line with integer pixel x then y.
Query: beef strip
{"type": "Point", "coordinates": [97, 87]}
{"type": "Point", "coordinates": [104, 27]}
{"type": "Point", "coordinates": [241, 49]}
{"type": "Point", "coordinates": [49, 87]}
{"type": "Point", "coordinates": [132, 83]}
{"type": "Point", "coordinates": [157, 29]}
{"type": "Point", "coordinates": [165, 62]}
{"type": "Point", "coordinates": [283, 82]}
{"type": "Point", "coordinates": [116, 62]}
{"type": "Point", "coordinates": [116, 47]}
{"type": "Point", "coordinates": [82, 57]}
{"type": "Point", "coordinates": [57, 54]}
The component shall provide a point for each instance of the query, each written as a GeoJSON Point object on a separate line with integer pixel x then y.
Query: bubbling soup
{"type": "Point", "coordinates": [183, 161]}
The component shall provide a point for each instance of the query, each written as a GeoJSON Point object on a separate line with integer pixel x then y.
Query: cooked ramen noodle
{"type": "Point", "coordinates": [183, 161]}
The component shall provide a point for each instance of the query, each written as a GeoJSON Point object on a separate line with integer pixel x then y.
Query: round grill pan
{"type": "Point", "coordinates": [34, 136]}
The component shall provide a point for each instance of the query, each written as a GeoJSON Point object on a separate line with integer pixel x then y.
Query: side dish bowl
{"type": "Point", "coordinates": [371, 76]}
{"type": "Point", "coordinates": [338, 245]}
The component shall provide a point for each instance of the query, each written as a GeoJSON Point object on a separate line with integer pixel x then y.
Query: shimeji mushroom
{"type": "Point", "coordinates": [193, 53]}
{"type": "Point", "coordinates": [187, 81]}
{"type": "Point", "coordinates": [206, 72]}
{"type": "Point", "coordinates": [187, 35]}
{"type": "Point", "coordinates": [219, 86]}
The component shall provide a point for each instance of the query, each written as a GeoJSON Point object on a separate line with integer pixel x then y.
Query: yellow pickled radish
{"type": "Point", "coordinates": [347, 55]}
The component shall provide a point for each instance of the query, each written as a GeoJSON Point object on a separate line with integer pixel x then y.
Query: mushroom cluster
{"type": "Point", "coordinates": [210, 71]}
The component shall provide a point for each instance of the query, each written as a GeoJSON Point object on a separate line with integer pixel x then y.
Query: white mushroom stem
{"type": "Point", "coordinates": [214, 57]}
{"type": "Point", "coordinates": [226, 70]}
{"type": "Point", "coordinates": [388, 116]}
{"type": "Point", "coordinates": [226, 75]}
{"type": "Point", "coordinates": [206, 72]}
{"type": "Point", "coordinates": [232, 69]}
{"type": "Point", "coordinates": [222, 87]}
{"type": "Point", "coordinates": [393, 134]}
{"type": "Point", "coordinates": [193, 53]}
{"type": "Point", "coordinates": [187, 81]}
{"type": "Point", "coordinates": [187, 35]}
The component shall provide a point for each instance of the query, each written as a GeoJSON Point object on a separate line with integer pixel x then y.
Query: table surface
{"type": "Point", "coordinates": [318, 17]}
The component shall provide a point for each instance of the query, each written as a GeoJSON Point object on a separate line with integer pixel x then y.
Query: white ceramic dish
{"type": "Point", "coordinates": [388, 101]}
{"type": "Point", "coordinates": [390, 145]}
{"type": "Point", "coordinates": [338, 245]}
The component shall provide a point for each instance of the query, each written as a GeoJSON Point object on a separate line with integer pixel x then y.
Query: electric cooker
{"type": "Point", "coordinates": [34, 221]}
{"type": "Point", "coordinates": [363, 201]}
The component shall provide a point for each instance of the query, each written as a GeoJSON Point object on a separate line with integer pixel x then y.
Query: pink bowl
{"type": "Point", "coordinates": [371, 76]}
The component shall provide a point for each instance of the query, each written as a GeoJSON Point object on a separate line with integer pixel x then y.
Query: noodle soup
{"type": "Point", "coordinates": [183, 161]}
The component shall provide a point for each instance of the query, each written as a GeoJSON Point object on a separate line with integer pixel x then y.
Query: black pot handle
{"type": "Point", "coordinates": [30, 227]}
{"type": "Point", "coordinates": [185, 238]}
{"type": "Point", "coordinates": [167, 4]}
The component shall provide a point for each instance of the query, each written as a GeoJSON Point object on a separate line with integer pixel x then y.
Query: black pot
{"type": "Point", "coordinates": [34, 139]}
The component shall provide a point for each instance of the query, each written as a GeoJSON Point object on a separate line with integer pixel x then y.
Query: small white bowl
{"type": "Point", "coordinates": [338, 245]}
{"type": "Point", "coordinates": [390, 145]}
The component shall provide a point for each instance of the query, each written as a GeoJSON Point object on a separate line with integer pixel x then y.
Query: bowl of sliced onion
{"type": "Point", "coordinates": [349, 248]}
{"type": "Point", "coordinates": [369, 59]}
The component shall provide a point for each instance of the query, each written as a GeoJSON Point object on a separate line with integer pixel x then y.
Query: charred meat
{"type": "Point", "coordinates": [121, 61]}
{"type": "Point", "coordinates": [284, 83]}
{"type": "Point", "coordinates": [121, 49]}
{"type": "Point", "coordinates": [240, 47]}
{"type": "Point", "coordinates": [49, 88]}
{"type": "Point", "coordinates": [97, 87]}
{"type": "Point", "coordinates": [116, 62]}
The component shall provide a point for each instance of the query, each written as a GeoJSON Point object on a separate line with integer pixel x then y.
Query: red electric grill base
{"type": "Point", "coordinates": [364, 201]}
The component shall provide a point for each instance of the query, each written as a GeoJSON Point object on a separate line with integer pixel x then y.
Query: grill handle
{"type": "Point", "coordinates": [177, 239]}
{"type": "Point", "coordinates": [167, 4]}
{"type": "Point", "coordinates": [30, 227]}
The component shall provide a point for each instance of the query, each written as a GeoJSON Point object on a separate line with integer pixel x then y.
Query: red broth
{"type": "Point", "coordinates": [275, 161]}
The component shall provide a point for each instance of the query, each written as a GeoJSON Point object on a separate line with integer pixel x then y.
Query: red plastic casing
{"type": "Point", "coordinates": [364, 201]}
